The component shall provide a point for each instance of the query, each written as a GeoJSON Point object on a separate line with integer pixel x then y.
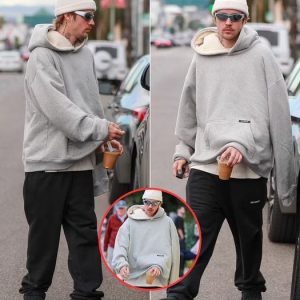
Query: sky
{"type": "Point", "coordinates": [26, 2]}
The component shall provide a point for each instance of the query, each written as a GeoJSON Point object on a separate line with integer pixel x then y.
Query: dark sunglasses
{"type": "Point", "coordinates": [88, 16]}
{"type": "Point", "coordinates": [231, 17]}
{"type": "Point", "coordinates": [151, 203]}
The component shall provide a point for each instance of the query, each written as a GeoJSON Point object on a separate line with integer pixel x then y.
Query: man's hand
{"type": "Point", "coordinates": [154, 271]}
{"type": "Point", "coordinates": [105, 254]}
{"type": "Point", "coordinates": [115, 144]}
{"type": "Point", "coordinates": [124, 272]}
{"type": "Point", "coordinates": [114, 131]}
{"type": "Point", "coordinates": [232, 155]}
{"type": "Point", "coordinates": [180, 166]}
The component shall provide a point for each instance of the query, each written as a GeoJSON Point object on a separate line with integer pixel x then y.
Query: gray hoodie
{"type": "Point", "coordinates": [63, 118]}
{"type": "Point", "coordinates": [143, 242]}
{"type": "Point", "coordinates": [237, 97]}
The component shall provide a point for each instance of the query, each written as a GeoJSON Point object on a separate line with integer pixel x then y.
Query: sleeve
{"type": "Point", "coordinates": [186, 123]}
{"type": "Point", "coordinates": [107, 235]}
{"type": "Point", "coordinates": [120, 255]}
{"type": "Point", "coordinates": [174, 272]}
{"type": "Point", "coordinates": [282, 140]}
{"type": "Point", "coordinates": [48, 93]}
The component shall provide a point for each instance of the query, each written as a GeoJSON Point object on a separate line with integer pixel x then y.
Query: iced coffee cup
{"type": "Point", "coordinates": [149, 277]}
{"type": "Point", "coordinates": [110, 158]}
{"type": "Point", "coordinates": [224, 169]}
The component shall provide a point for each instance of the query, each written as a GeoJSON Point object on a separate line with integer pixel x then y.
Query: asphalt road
{"type": "Point", "coordinates": [14, 229]}
{"type": "Point", "coordinates": [169, 67]}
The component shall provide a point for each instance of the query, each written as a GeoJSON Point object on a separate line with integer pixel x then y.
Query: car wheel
{"type": "Point", "coordinates": [295, 290]}
{"type": "Point", "coordinates": [281, 227]}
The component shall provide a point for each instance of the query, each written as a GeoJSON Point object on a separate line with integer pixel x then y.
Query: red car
{"type": "Point", "coordinates": [163, 43]}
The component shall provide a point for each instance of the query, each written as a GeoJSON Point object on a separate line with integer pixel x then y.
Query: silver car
{"type": "Point", "coordinates": [282, 221]}
{"type": "Point", "coordinates": [11, 61]}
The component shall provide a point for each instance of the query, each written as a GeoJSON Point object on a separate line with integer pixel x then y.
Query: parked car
{"type": "Point", "coordinates": [163, 43]}
{"type": "Point", "coordinates": [295, 288]}
{"type": "Point", "coordinates": [293, 83]}
{"type": "Point", "coordinates": [278, 37]}
{"type": "Point", "coordinates": [282, 221]}
{"type": "Point", "coordinates": [128, 109]}
{"type": "Point", "coordinates": [110, 60]}
{"type": "Point", "coordinates": [11, 61]}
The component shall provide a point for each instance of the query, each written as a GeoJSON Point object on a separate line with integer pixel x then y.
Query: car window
{"type": "Point", "coordinates": [112, 51]}
{"type": "Point", "coordinates": [271, 36]}
{"type": "Point", "coordinates": [133, 77]}
{"type": "Point", "coordinates": [147, 77]}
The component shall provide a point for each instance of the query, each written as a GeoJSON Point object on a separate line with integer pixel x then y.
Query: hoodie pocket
{"type": "Point", "coordinates": [218, 134]}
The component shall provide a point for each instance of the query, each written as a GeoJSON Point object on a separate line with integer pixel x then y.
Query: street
{"type": "Point", "coordinates": [169, 67]}
{"type": "Point", "coordinates": [14, 229]}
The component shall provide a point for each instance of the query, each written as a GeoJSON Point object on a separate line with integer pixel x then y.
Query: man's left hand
{"type": "Point", "coordinates": [115, 144]}
{"type": "Point", "coordinates": [232, 155]}
{"type": "Point", "coordinates": [154, 271]}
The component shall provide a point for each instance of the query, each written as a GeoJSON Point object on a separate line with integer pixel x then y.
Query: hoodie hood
{"type": "Point", "coordinates": [206, 42]}
{"type": "Point", "coordinates": [137, 212]}
{"type": "Point", "coordinates": [45, 36]}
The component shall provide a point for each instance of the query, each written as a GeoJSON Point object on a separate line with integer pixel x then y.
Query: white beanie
{"type": "Point", "coordinates": [65, 6]}
{"type": "Point", "coordinates": [153, 195]}
{"type": "Point", "coordinates": [240, 5]}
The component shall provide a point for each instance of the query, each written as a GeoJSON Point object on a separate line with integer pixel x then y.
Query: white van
{"type": "Point", "coordinates": [278, 37]}
{"type": "Point", "coordinates": [110, 60]}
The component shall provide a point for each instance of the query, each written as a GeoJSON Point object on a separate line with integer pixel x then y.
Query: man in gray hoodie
{"type": "Point", "coordinates": [64, 128]}
{"type": "Point", "coordinates": [147, 245]}
{"type": "Point", "coordinates": [233, 105]}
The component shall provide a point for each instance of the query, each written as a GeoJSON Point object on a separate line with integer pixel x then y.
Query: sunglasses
{"type": "Point", "coordinates": [231, 17]}
{"type": "Point", "coordinates": [88, 16]}
{"type": "Point", "coordinates": [151, 203]}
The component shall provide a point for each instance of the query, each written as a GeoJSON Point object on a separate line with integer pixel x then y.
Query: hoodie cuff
{"type": "Point", "coordinates": [183, 151]}
{"type": "Point", "coordinates": [118, 268]}
{"type": "Point", "coordinates": [101, 129]}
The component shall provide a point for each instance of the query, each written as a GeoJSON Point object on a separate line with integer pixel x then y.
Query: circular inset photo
{"type": "Point", "coordinates": [149, 239]}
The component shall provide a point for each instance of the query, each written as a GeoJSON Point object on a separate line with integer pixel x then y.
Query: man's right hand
{"type": "Point", "coordinates": [180, 167]}
{"type": "Point", "coordinates": [114, 131]}
{"type": "Point", "coordinates": [124, 272]}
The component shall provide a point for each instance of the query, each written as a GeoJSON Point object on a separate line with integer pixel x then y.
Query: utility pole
{"type": "Point", "coordinates": [293, 11]}
{"type": "Point", "coordinates": [111, 35]}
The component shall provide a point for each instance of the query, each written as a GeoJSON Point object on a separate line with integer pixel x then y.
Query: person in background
{"type": "Point", "coordinates": [114, 223]}
{"type": "Point", "coordinates": [64, 129]}
{"type": "Point", "coordinates": [147, 245]}
{"type": "Point", "coordinates": [234, 105]}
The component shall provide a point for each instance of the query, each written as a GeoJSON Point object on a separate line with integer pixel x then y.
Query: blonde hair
{"type": "Point", "coordinates": [58, 21]}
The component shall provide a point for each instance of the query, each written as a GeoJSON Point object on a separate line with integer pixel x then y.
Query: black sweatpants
{"type": "Point", "coordinates": [240, 201]}
{"type": "Point", "coordinates": [52, 200]}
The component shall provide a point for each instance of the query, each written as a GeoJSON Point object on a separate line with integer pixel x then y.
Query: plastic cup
{"type": "Point", "coordinates": [110, 159]}
{"type": "Point", "coordinates": [149, 278]}
{"type": "Point", "coordinates": [224, 170]}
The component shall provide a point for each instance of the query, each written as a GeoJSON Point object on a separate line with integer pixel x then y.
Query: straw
{"type": "Point", "coordinates": [110, 148]}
